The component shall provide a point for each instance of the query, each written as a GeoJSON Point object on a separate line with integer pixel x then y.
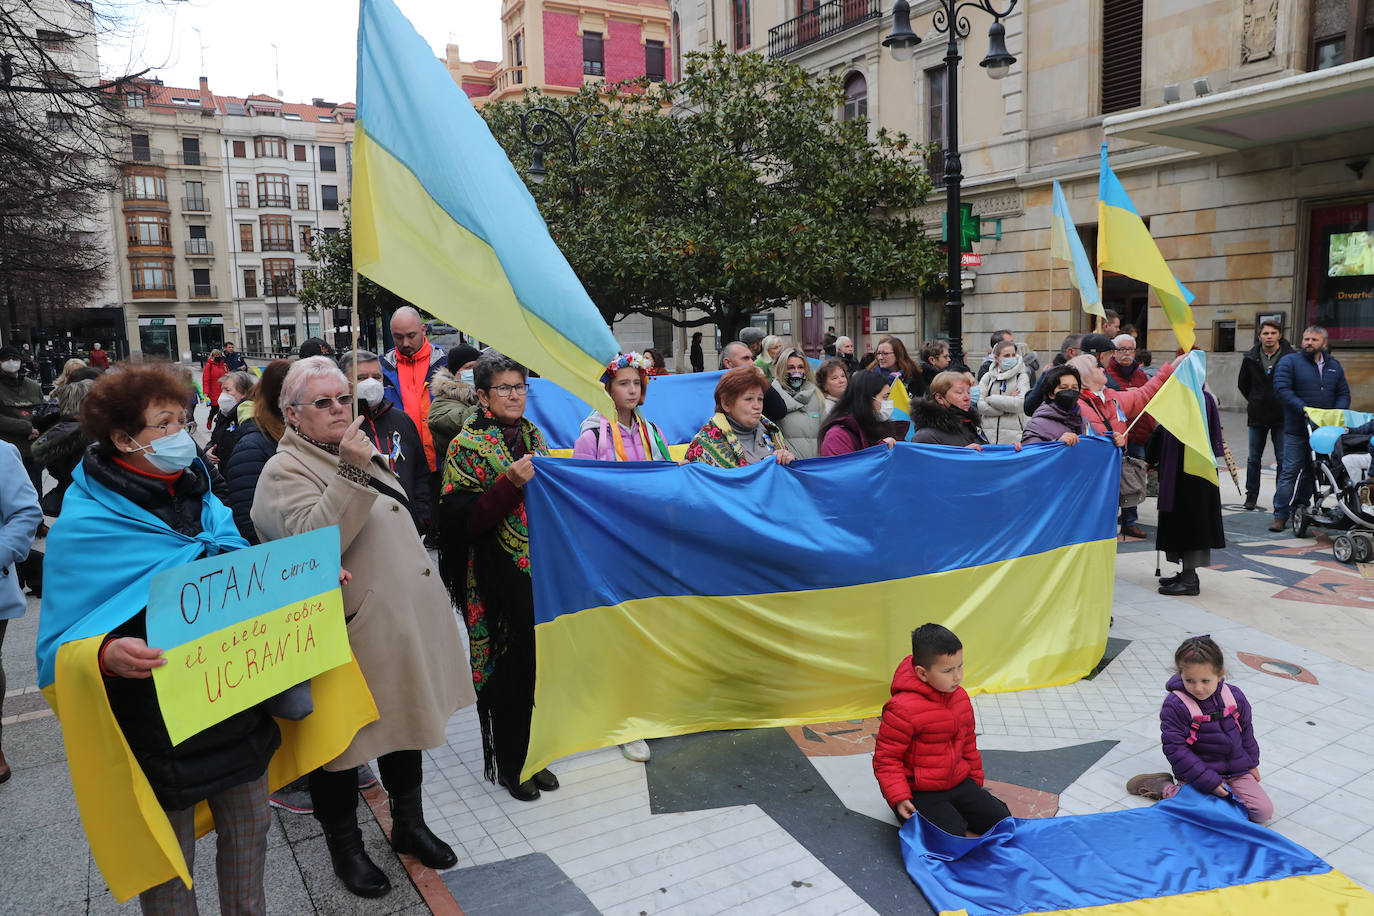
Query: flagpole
{"type": "Point", "coordinates": [353, 327]}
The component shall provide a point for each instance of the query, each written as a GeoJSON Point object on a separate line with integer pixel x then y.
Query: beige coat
{"type": "Point", "coordinates": [403, 630]}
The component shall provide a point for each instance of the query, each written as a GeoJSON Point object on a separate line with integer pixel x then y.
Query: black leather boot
{"type": "Point", "coordinates": [351, 863]}
{"type": "Point", "coordinates": [524, 791]}
{"type": "Point", "coordinates": [1170, 580]}
{"type": "Point", "coordinates": [545, 780]}
{"type": "Point", "coordinates": [1186, 584]}
{"type": "Point", "coordinates": [410, 834]}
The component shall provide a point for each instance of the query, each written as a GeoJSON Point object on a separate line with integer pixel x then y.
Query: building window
{"type": "Point", "coordinates": [306, 239]}
{"type": "Point", "coordinates": [1340, 272]}
{"type": "Point", "coordinates": [677, 47]}
{"type": "Point", "coordinates": [269, 147]}
{"type": "Point", "coordinates": [1121, 54]}
{"type": "Point", "coordinates": [55, 41]}
{"type": "Point", "coordinates": [935, 124]}
{"type": "Point", "coordinates": [133, 100]}
{"type": "Point", "coordinates": [593, 54]}
{"type": "Point", "coordinates": [245, 236]}
{"type": "Point", "coordinates": [276, 232]}
{"type": "Point", "coordinates": [855, 97]}
{"type": "Point", "coordinates": [195, 195]}
{"type": "Point", "coordinates": [302, 197]}
{"type": "Point", "coordinates": [200, 283]}
{"type": "Point", "coordinates": [278, 277]}
{"type": "Point", "coordinates": [144, 187]}
{"type": "Point", "coordinates": [241, 193]}
{"type": "Point", "coordinates": [1338, 34]}
{"type": "Point", "coordinates": [240, 150]}
{"type": "Point", "coordinates": [190, 151]}
{"type": "Point", "coordinates": [152, 275]}
{"type": "Point", "coordinates": [200, 241]}
{"type": "Point", "coordinates": [326, 154]}
{"type": "Point", "coordinates": [740, 19]}
{"type": "Point", "coordinates": [149, 229]}
{"type": "Point", "coordinates": [273, 191]}
{"type": "Point", "coordinates": [517, 49]}
{"type": "Point", "coordinates": [299, 151]}
{"type": "Point", "coordinates": [654, 61]}
{"type": "Point", "coordinates": [250, 283]}
{"type": "Point", "coordinates": [329, 196]}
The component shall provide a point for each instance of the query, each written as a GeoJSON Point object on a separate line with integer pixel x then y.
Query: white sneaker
{"type": "Point", "coordinates": [635, 750]}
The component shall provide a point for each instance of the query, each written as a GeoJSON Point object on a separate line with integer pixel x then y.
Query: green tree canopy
{"type": "Point", "coordinates": [734, 190]}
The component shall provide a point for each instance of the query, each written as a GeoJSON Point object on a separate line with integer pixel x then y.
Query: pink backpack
{"type": "Point", "coordinates": [1228, 701]}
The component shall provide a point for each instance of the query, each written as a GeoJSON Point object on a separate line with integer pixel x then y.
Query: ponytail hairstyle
{"type": "Point", "coordinates": [1200, 650]}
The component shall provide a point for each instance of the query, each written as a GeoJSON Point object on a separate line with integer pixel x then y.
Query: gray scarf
{"type": "Point", "coordinates": [756, 443]}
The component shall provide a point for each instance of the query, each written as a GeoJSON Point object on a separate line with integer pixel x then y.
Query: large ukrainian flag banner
{"type": "Point", "coordinates": [1192, 855]}
{"type": "Point", "coordinates": [1124, 246]}
{"type": "Point", "coordinates": [667, 602]}
{"type": "Point", "coordinates": [441, 219]}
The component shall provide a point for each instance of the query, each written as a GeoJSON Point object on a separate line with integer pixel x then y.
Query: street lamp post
{"type": "Point", "coordinates": [949, 19]}
{"type": "Point", "coordinates": [535, 129]}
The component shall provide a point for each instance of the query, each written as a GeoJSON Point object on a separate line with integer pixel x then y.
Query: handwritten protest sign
{"type": "Point", "coordinates": [240, 627]}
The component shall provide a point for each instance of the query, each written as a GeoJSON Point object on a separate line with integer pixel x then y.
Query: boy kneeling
{"type": "Point", "coordinates": [927, 757]}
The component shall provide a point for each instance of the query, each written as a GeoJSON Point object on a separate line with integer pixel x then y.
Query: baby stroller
{"type": "Point", "coordinates": [1339, 503]}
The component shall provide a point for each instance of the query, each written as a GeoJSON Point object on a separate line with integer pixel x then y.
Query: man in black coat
{"type": "Point", "coordinates": [393, 433]}
{"type": "Point", "coordinates": [1263, 412]}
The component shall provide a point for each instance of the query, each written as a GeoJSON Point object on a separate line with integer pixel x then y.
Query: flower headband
{"type": "Point", "coordinates": [629, 361]}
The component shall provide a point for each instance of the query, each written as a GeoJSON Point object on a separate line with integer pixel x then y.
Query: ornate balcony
{"type": "Point", "coordinates": [825, 20]}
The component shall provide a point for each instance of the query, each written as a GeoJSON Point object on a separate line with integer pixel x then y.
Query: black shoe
{"type": "Point", "coordinates": [545, 780]}
{"type": "Point", "coordinates": [1186, 584]}
{"type": "Point", "coordinates": [351, 864]}
{"type": "Point", "coordinates": [1170, 580]}
{"type": "Point", "coordinates": [525, 791]}
{"type": "Point", "coordinates": [1249, 505]}
{"type": "Point", "coordinates": [411, 835]}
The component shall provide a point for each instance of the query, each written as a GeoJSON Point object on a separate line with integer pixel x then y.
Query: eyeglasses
{"type": "Point", "coordinates": [506, 391]}
{"type": "Point", "coordinates": [182, 423]}
{"type": "Point", "coordinates": [343, 400]}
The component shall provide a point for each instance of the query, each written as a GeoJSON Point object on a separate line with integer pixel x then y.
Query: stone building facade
{"type": "Point", "coordinates": [1242, 130]}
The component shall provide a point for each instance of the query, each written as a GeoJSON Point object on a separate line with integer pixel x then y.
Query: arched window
{"type": "Point", "coordinates": [855, 96]}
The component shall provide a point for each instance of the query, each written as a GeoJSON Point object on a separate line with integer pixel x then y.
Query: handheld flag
{"type": "Point", "coordinates": [1066, 246]}
{"type": "Point", "coordinates": [441, 219]}
{"type": "Point", "coordinates": [1124, 246]}
{"type": "Point", "coordinates": [901, 407]}
{"type": "Point", "coordinates": [1181, 409]}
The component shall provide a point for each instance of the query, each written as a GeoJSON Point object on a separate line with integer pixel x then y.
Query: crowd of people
{"type": "Point", "coordinates": [418, 447]}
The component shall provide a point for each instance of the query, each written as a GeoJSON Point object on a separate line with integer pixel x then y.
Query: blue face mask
{"type": "Point", "coordinates": [465, 375]}
{"type": "Point", "coordinates": [1007, 362]}
{"type": "Point", "coordinates": [170, 454]}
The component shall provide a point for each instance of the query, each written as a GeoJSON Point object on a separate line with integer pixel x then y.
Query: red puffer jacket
{"type": "Point", "coordinates": [926, 739]}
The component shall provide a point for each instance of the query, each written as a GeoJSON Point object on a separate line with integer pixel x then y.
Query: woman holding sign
{"type": "Point", "coordinates": [140, 503]}
{"type": "Point", "coordinates": [483, 530]}
{"type": "Point", "coordinates": [400, 625]}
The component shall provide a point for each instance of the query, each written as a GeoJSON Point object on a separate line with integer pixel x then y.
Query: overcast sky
{"type": "Point", "coordinates": [316, 41]}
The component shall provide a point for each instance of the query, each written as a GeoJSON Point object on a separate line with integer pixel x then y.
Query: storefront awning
{"type": "Point", "coordinates": [1324, 102]}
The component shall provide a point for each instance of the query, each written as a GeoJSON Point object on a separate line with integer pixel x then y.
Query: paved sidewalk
{"type": "Point", "coordinates": [790, 820]}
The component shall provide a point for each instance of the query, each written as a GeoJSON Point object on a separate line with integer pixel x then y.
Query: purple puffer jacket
{"type": "Point", "coordinates": [1049, 422]}
{"type": "Point", "coordinates": [1222, 748]}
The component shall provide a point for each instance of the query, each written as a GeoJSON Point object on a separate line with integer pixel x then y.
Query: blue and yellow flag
{"type": "Point", "coordinates": [1180, 408]}
{"type": "Point", "coordinates": [749, 619]}
{"type": "Point", "coordinates": [1124, 246]}
{"type": "Point", "coordinates": [1067, 247]}
{"type": "Point", "coordinates": [1192, 855]}
{"type": "Point", "coordinates": [679, 404]}
{"type": "Point", "coordinates": [901, 408]}
{"type": "Point", "coordinates": [441, 219]}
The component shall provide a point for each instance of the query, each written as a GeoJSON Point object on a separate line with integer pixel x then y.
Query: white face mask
{"type": "Point", "coordinates": [885, 410]}
{"type": "Point", "coordinates": [227, 402]}
{"type": "Point", "coordinates": [11, 366]}
{"type": "Point", "coordinates": [465, 375]}
{"type": "Point", "coordinates": [371, 391]}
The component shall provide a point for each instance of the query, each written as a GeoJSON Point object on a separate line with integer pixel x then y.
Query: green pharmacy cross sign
{"type": "Point", "coordinates": [970, 228]}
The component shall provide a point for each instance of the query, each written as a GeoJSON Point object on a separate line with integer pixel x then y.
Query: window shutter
{"type": "Point", "coordinates": [1121, 52]}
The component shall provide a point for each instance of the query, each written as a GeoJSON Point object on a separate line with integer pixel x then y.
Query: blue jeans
{"type": "Point", "coordinates": [1256, 457]}
{"type": "Point", "coordinates": [1129, 514]}
{"type": "Point", "coordinates": [1295, 476]}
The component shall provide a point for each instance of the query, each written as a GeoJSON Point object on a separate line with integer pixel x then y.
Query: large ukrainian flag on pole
{"type": "Point", "coordinates": [441, 219]}
{"type": "Point", "coordinates": [1124, 246]}
{"type": "Point", "coordinates": [1180, 408]}
{"type": "Point", "coordinates": [1067, 247]}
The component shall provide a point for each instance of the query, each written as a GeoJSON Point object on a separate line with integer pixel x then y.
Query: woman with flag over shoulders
{"type": "Point", "coordinates": [140, 504]}
{"type": "Point", "coordinates": [1189, 506]}
{"type": "Point", "coordinates": [630, 438]}
{"type": "Point", "coordinates": [739, 434]}
{"type": "Point", "coordinates": [484, 536]}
